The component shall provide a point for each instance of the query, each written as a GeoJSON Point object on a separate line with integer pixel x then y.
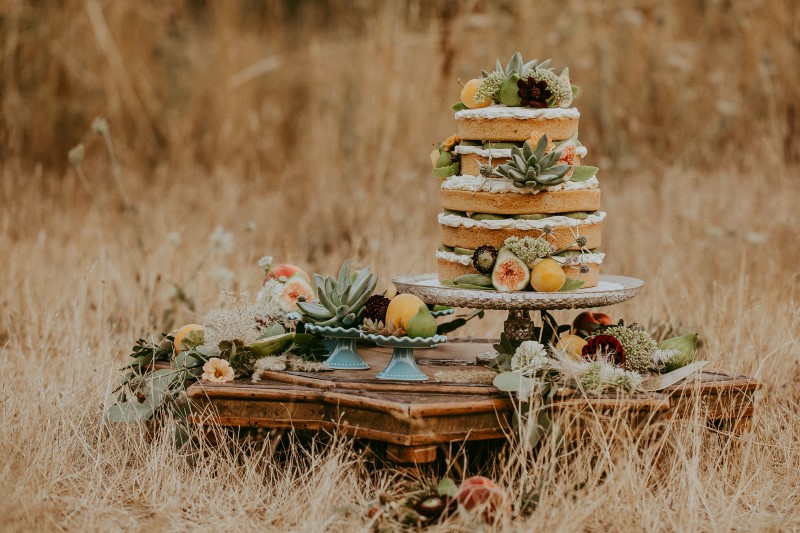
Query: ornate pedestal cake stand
{"type": "Point", "coordinates": [519, 325]}
{"type": "Point", "coordinates": [402, 366]}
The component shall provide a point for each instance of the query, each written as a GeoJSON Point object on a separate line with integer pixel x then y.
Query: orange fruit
{"type": "Point", "coordinates": [468, 95]}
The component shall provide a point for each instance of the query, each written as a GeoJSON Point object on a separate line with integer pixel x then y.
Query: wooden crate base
{"type": "Point", "coordinates": [415, 418]}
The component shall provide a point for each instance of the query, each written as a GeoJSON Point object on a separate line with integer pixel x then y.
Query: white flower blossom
{"type": "Point", "coordinates": [266, 263]}
{"type": "Point", "coordinates": [221, 240]}
{"type": "Point", "coordinates": [530, 357]}
{"type": "Point", "coordinates": [269, 297]}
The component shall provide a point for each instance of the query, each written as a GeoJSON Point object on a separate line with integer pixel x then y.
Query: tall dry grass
{"type": "Point", "coordinates": [304, 128]}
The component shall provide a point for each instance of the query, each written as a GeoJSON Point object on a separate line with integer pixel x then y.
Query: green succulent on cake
{"type": "Point", "coordinates": [342, 300]}
{"type": "Point", "coordinates": [533, 168]}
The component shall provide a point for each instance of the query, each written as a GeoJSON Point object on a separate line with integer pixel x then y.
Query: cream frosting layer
{"type": "Point", "coordinates": [456, 221]}
{"type": "Point", "coordinates": [580, 259]}
{"type": "Point", "coordinates": [454, 257]}
{"type": "Point", "coordinates": [503, 185]}
{"type": "Point", "coordinates": [587, 258]}
{"type": "Point", "coordinates": [501, 111]}
{"type": "Point", "coordinates": [580, 151]}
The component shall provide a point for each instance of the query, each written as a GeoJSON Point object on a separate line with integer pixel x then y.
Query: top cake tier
{"type": "Point", "coordinates": [504, 123]}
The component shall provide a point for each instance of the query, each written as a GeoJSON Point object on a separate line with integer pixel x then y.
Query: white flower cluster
{"type": "Point", "coordinates": [244, 322]}
{"type": "Point", "coordinates": [530, 358]}
{"type": "Point", "coordinates": [269, 298]}
{"type": "Point", "coordinates": [599, 375]}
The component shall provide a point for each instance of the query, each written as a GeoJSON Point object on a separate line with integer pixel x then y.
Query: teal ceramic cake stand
{"type": "Point", "coordinates": [402, 366]}
{"type": "Point", "coordinates": [344, 355]}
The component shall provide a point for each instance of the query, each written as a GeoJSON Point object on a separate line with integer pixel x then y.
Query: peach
{"type": "Point", "coordinates": [293, 289]}
{"type": "Point", "coordinates": [283, 272]}
{"type": "Point", "coordinates": [586, 323]}
{"type": "Point", "coordinates": [481, 494]}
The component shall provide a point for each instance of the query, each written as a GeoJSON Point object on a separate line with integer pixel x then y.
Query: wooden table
{"type": "Point", "coordinates": [414, 419]}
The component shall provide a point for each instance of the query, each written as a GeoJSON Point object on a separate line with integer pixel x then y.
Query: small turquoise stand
{"type": "Point", "coordinates": [344, 355]}
{"type": "Point", "coordinates": [402, 366]}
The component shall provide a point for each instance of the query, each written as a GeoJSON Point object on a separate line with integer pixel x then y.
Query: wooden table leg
{"type": "Point", "coordinates": [411, 454]}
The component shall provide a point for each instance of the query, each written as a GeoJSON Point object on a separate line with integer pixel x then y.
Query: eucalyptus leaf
{"type": "Point", "coordinates": [128, 412]}
{"type": "Point", "coordinates": [514, 382]}
{"type": "Point", "coordinates": [571, 284]}
{"type": "Point", "coordinates": [583, 173]}
{"type": "Point", "coordinates": [459, 106]}
{"type": "Point", "coordinates": [272, 330]}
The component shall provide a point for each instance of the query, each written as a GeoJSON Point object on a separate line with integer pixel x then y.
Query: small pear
{"type": "Point", "coordinates": [422, 324]}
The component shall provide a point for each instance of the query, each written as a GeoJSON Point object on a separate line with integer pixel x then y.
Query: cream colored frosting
{"type": "Point", "coordinates": [501, 111]}
{"type": "Point", "coordinates": [454, 257]}
{"type": "Point", "coordinates": [456, 221]}
{"type": "Point", "coordinates": [585, 258]}
{"type": "Point", "coordinates": [580, 151]}
{"type": "Point", "coordinates": [504, 185]}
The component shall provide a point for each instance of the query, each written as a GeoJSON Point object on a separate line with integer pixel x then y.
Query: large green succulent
{"type": "Point", "coordinates": [341, 301]}
{"type": "Point", "coordinates": [532, 168]}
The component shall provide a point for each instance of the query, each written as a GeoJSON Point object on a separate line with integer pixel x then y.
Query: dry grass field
{"type": "Point", "coordinates": [303, 128]}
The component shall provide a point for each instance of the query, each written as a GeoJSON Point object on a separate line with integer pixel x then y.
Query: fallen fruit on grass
{"type": "Point", "coordinates": [481, 494]}
{"type": "Point", "coordinates": [283, 272]}
{"type": "Point", "coordinates": [422, 324]}
{"type": "Point", "coordinates": [295, 288]}
{"type": "Point", "coordinates": [468, 95]}
{"type": "Point", "coordinates": [547, 276]}
{"type": "Point", "coordinates": [401, 309]}
{"type": "Point", "coordinates": [510, 273]}
{"type": "Point", "coordinates": [182, 333]}
{"type": "Point", "coordinates": [572, 345]}
{"type": "Point", "coordinates": [586, 323]}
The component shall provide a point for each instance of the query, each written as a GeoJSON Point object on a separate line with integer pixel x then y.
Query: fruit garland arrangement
{"type": "Point", "coordinates": [346, 301]}
{"type": "Point", "coordinates": [525, 263]}
{"type": "Point", "coordinates": [593, 357]}
{"type": "Point", "coordinates": [230, 344]}
{"type": "Point", "coordinates": [250, 337]}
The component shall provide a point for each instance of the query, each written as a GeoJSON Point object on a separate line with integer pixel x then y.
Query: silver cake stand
{"type": "Point", "coordinates": [519, 325]}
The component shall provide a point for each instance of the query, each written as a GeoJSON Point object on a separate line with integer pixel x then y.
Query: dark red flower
{"type": "Point", "coordinates": [533, 93]}
{"type": "Point", "coordinates": [605, 345]}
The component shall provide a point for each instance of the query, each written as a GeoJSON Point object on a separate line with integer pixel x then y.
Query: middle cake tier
{"type": "Point", "coordinates": [562, 231]}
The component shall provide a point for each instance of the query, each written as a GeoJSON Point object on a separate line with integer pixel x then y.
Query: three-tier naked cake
{"type": "Point", "coordinates": [520, 211]}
